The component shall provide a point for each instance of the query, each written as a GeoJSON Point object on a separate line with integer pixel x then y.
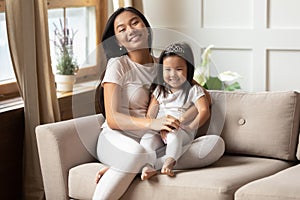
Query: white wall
{"type": "Point", "coordinates": [259, 39]}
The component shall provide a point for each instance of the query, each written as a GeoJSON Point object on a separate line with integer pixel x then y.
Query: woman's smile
{"type": "Point", "coordinates": [134, 38]}
{"type": "Point", "coordinates": [130, 31]}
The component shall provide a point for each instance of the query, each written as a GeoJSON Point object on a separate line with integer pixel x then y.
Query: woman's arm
{"type": "Point", "coordinates": [120, 121]}
{"type": "Point", "coordinates": [152, 108]}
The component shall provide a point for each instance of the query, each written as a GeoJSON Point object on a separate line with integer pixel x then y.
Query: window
{"type": "Point", "coordinates": [7, 72]}
{"type": "Point", "coordinates": [88, 17]}
{"type": "Point", "coordinates": [80, 21]}
{"type": "Point", "coordinates": [8, 86]}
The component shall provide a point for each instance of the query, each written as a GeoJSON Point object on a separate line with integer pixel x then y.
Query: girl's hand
{"type": "Point", "coordinates": [167, 123]}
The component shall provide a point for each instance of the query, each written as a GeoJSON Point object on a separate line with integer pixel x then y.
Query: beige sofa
{"type": "Point", "coordinates": [260, 130]}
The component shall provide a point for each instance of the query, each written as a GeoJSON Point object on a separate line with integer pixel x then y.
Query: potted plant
{"type": "Point", "coordinates": [224, 81]}
{"type": "Point", "coordinates": [66, 66]}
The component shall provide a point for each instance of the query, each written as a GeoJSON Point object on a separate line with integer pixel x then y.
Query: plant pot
{"type": "Point", "coordinates": [64, 83]}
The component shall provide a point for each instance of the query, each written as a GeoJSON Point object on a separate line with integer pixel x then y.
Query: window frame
{"type": "Point", "coordinates": [2, 6]}
{"type": "Point", "coordinates": [9, 89]}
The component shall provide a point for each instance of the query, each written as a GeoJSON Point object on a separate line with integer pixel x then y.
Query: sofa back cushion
{"type": "Point", "coordinates": [257, 123]}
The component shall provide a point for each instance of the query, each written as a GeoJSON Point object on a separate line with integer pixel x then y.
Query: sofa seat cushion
{"type": "Point", "coordinates": [81, 181]}
{"type": "Point", "coordinates": [218, 181]}
{"type": "Point", "coordinates": [257, 123]}
{"type": "Point", "coordinates": [282, 185]}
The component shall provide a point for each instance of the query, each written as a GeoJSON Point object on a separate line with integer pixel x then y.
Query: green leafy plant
{"type": "Point", "coordinates": [223, 81]}
{"type": "Point", "coordinates": [63, 42]}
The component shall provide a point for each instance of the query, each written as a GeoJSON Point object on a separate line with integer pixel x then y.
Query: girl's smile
{"type": "Point", "coordinates": [174, 72]}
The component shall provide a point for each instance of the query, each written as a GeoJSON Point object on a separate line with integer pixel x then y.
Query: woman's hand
{"type": "Point", "coordinates": [167, 123]}
{"type": "Point", "coordinates": [163, 135]}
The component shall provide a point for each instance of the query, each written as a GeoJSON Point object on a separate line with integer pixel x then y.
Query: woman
{"type": "Point", "coordinates": [131, 69]}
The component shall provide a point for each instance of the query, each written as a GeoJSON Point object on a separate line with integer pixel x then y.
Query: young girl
{"type": "Point", "coordinates": [177, 95]}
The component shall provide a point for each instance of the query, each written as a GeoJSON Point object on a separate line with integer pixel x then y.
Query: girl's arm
{"type": "Point", "coordinates": [189, 115]}
{"type": "Point", "coordinates": [203, 113]}
{"type": "Point", "coordinates": [207, 95]}
{"type": "Point", "coordinates": [192, 112]}
{"type": "Point", "coordinates": [120, 121]}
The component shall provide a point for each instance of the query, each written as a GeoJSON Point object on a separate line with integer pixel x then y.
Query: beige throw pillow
{"type": "Point", "coordinates": [257, 123]}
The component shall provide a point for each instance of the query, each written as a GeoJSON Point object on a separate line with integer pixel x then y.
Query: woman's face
{"type": "Point", "coordinates": [174, 71]}
{"type": "Point", "coordinates": [131, 31]}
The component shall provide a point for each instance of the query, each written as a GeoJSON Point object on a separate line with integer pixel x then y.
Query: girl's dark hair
{"type": "Point", "coordinates": [182, 50]}
{"type": "Point", "coordinates": [109, 42]}
{"type": "Point", "coordinates": [112, 49]}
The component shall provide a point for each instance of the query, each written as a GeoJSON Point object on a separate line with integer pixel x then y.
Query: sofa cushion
{"type": "Point", "coordinates": [218, 181]}
{"type": "Point", "coordinates": [283, 185]}
{"type": "Point", "coordinates": [257, 123]}
{"type": "Point", "coordinates": [82, 180]}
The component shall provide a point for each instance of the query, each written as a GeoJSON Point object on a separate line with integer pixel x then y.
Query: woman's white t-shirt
{"type": "Point", "coordinates": [135, 81]}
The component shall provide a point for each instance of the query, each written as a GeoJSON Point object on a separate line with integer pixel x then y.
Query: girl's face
{"type": "Point", "coordinates": [131, 31]}
{"type": "Point", "coordinates": [174, 72]}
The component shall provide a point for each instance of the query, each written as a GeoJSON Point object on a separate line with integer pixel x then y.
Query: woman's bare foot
{"type": "Point", "coordinates": [147, 172]}
{"type": "Point", "coordinates": [168, 167]}
{"type": "Point", "coordinates": [100, 173]}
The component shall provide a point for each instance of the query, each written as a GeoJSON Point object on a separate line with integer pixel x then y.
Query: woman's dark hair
{"type": "Point", "coordinates": [182, 50]}
{"type": "Point", "coordinates": [109, 42]}
{"type": "Point", "coordinates": [112, 48]}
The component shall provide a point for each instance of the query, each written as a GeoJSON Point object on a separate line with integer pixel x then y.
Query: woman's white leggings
{"type": "Point", "coordinates": [127, 156]}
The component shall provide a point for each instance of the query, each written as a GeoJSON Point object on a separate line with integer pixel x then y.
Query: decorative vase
{"type": "Point", "coordinates": [64, 83]}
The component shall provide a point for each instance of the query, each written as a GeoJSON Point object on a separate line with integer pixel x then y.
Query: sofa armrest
{"type": "Point", "coordinates": [63, 145]}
